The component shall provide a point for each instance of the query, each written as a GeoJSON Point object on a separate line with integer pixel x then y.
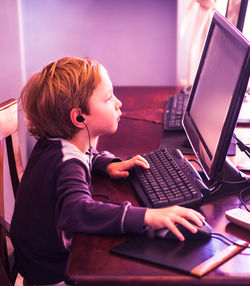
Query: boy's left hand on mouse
{"type": "Point", "coordinates": [170, 216]}
{"type": "Point", "coordinates": [118, 170]}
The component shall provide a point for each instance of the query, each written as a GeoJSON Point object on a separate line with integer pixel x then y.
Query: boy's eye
{"type": "Point", "coordinates": [109, 98]}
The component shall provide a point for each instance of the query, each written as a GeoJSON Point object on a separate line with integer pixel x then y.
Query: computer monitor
{"type": "Point", "coordinates": [216, 96]}
{"type": "Point", "coordinates": [236, 12]}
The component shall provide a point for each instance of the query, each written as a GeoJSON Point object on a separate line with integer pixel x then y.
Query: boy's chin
{"type": "Point", "coordinates": [110, 131]}
{"type": "Point", "coordinates": [114, 129]}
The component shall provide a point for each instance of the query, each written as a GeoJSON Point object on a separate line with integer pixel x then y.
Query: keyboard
{"type": "Point", "coordinates": [173, 112]}
{"type": "Point", "coordinates": [170, 180]}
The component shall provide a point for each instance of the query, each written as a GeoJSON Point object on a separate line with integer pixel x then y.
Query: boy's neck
{"type": "Point", "coordinates": [82, 142]}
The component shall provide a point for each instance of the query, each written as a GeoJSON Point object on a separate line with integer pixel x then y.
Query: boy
{"type": "Point", "coordinates": [68, 106]}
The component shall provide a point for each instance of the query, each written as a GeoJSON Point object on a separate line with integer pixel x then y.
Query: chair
{"type": "Point", "coordinates": [8, 135]}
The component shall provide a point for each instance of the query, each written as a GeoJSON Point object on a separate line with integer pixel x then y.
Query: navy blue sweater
{"type": "Point", "coordinates": [54, 201]}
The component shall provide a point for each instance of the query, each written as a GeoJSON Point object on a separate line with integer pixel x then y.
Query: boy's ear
{"type": "Point", "coordinates": [77, 117]}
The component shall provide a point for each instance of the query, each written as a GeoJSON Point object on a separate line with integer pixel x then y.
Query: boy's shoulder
{"type": "Point", "coordinates": [62, 149]}
{"type": "Point", "coordinates": [70, 151]}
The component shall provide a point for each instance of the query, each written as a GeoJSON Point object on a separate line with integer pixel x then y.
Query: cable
{"type": "Point", "coordinates": [235, 182]}
{"type": "Point", "coordinates": [242, 200]}
{"type": "Point", "coordinates": [101, 196]}
{"type": "Point", "coordinates": [213, 188]}
{"type": "Point", "coordinates": [89, 150]}
{"type": "Point", "coordinates": [243, 147]}
{"type": "Point", "coordinates": [222, 182]}
{"type": "Point", "coordinates": [88, 133]}
{"type": "Point", "coordinates": [223, 238]}
{"type": "Point", "coordinates": [214, 235]}
{"type": "Point", "coordinates": [140, 119]}
{"type": "Point", "coordinates": [193, 160]}
{"type": "Point", "coordinates": [217, 185]}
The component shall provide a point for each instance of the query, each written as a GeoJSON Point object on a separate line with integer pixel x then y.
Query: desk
{"type": "Point", "coordinates": [140, 130]}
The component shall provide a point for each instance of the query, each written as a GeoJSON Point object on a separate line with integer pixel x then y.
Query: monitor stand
{"type": "Point", "coordinates": [233, 181]}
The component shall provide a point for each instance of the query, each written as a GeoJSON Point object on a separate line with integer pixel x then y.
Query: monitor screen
{"type": "Point", "coordinates": [217, 94]}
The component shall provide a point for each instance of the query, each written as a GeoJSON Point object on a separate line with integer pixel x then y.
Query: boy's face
{"type": "Point", "coordinates": [104, 108]}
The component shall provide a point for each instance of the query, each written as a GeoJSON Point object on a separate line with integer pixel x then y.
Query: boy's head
{"type": "Point", "coordinates": [49, 96]}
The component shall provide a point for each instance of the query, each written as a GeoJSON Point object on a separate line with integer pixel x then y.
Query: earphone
{"type": "Point", "coordinates": [80, 118]}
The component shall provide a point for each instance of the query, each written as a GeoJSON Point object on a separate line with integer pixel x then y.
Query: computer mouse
{"type": "Point", "coordinates": [203, 232]}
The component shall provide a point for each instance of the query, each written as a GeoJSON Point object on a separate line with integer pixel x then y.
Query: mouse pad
{"type": "Point", "coordinates": [188, 256]}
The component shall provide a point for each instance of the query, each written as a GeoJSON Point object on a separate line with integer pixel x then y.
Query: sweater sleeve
{"type": "Point", "coordinates": [77, 211]}
{"type": "Point", "coordinates": [101, 160]}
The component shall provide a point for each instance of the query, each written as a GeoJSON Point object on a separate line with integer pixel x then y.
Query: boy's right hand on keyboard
{"type": "Point", "coordinates": [168, 217]}
{"type": "Point", "coordinates": [120, 169]}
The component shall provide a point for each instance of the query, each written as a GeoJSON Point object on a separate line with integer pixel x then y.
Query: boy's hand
{"type": "Point", "coordinates": [167, 217]}
{"type": "Point", "coordinates": [120, 169]}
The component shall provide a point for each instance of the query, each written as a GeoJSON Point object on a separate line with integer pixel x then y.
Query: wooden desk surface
{"type": "Point", "coordinates": [140, 130]}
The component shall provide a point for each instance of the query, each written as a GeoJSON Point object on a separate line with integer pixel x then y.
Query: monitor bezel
{"type": "Point", "coordinates": [213, 167]}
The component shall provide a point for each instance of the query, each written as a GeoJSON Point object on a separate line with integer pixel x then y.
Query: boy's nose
{"type": "Point", "coordinates": [118, 103]}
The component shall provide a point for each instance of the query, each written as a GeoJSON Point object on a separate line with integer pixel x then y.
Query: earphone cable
{"type": "Point", "coordinates": [89, 150]}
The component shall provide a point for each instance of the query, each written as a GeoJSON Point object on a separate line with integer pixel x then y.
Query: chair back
{"type": "Point", "coordinates": [8, 135]}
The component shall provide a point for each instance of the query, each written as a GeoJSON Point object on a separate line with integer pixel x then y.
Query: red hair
{"type": "Point", "coordinates": [49, 96]}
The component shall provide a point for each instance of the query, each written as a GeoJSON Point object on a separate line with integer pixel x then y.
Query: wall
{"type": "Point", "coordinates": [10, 76]}
{"type": "Point", "coordinates": [134, 39]}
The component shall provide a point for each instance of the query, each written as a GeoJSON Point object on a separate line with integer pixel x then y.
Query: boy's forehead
{"type": "Point", "coordinates": [103, 88]}
{"type": "Point", "coordinates": [105, 79]}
